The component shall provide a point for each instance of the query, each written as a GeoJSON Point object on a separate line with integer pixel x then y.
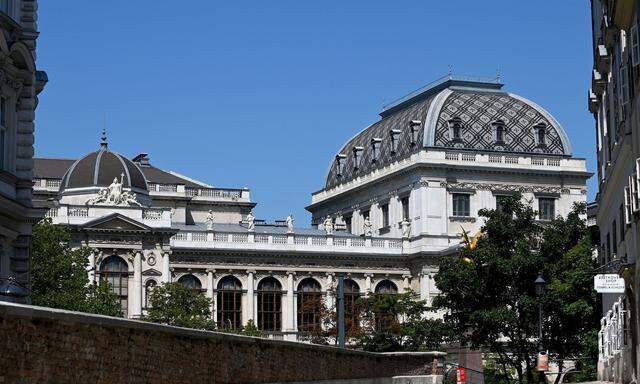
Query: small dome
{"type": "Point", "coordinates": [98, 170]}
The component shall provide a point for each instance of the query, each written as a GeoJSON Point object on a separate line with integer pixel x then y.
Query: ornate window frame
{"type": "Point", "coordinates": [455, 129]}
{"type": "Point", "coordinates": [536, 134]}
{"type": "Point", "coordinates": [376, 149]}
{"type": "Point", "coordinates": [499, 128]}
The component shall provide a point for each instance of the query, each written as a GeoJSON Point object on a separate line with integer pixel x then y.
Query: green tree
{"type": "Point", "coordinates": [59, 274]}
{"type": "Point", "coordinates": [570, 300]}
{"type": "Point", "coordinates": [489, 295]}
{"type": "Point", "coordinates": [397, 323]}
{"type": "Point", "coordinates": [175, 304]}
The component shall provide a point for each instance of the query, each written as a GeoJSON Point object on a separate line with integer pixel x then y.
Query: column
{"type": "Point", "coordinates": [367, 283]}
{"type": "Point", "coordinates": [92, 267]}
{"type": "Point", "coordinates": [210, 290]}
{"type": "Point", "coordinates": [250, 298]}
{"type": "Point", "coordinates": [330, 295]}
{"type": "Point", "coordinates": [424, 287]}
{"type": "Point", "coordinates": [166, 273]}
{"type": "Point", "coordinates": [291, 312]}
{"type": "Point", "coordinates": [405, 282]}
{"type": "Point", "coordinates": [137, 286]}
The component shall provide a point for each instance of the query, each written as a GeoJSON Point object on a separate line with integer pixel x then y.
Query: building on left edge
{"type": "Point", "coordinates": [20, 84]}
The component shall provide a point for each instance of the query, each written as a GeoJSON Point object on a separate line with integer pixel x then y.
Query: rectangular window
{"type": "Point", "coordinates": [624, 90]}
{"type": "Point", "coordinates": [546, 208]}
{"type": "Point", "coordinates": [461, 204]}
{"type": "Point", "coordinates": [4, 6]}
{"type": "Point", "coordinates": [3, 132]}
{"type": "Point", "coordinates": [499, 202]}
{"type": "Point", "coordinates": [385, 215]}
{"type": "Point", "coordinates": [405, 207]}
{"type": "Point", "coordinates": [608, 247]}
{"type": "Point", "coordinates": [614, 231]}
{"type": "Point", "coordinates": [622, 222]}
{"type": "Point", "coordinates": [635, 46]}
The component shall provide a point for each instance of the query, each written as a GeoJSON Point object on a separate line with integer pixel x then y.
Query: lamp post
{"type": "Point", "coordinates": [543, 359]}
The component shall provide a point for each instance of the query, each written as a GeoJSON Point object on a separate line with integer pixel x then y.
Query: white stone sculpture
{"type": "Point", "coordinates": [406, 228]}
{"type": "Point", "coordinates": [368, 227]}
{"type": "Point", "coordinates": [251, 221]}
{"type": "Point", "coordinates": [209, 220]}
{"type": "Point", "coordinates": [290, 223]}
{"type": "Point", "coordinates": [115, 190]}
{"type": "Point", "coordinates": [328, 225]}
{"type": "Point", "coordinates": [114, 195]}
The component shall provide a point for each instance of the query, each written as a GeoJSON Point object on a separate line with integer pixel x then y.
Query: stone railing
{"type": "Point", "coordinates": [502, 159]}
{"type": "Point", "coordinates": [292, 240]}
{"type": "Point", "coordinates": [41, 184]}
{"type": "Point", "coordinates": [52, 212]}
{"type": "Point", "coordinates": [152, 214]}
{"type": "Point", "coordinates": [77, 211]}
{"type": "Point", "coordinates": [201, 193]}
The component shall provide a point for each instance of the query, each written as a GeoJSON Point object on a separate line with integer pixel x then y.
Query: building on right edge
{"type": "Point", "coordinates": [614, 103]}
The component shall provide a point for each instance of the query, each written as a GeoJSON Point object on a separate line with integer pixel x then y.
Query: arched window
{"type": "Point", "coordinates": [385, 314]}
{"type": "Point", "coordinates": [191, 282]}
{"type": "Point", "coordinates": [309, 305]}
{"type": "Point", "coordinates": [269, 305]}
{"type": "Point", "coordinates": [351, 313]}
{"type": "Point", "coordinates": [148, 288]}
{"type": "Point", "coordinates": [229, 305]}
{"type": "Point", "coordinates": [115, 271]}
{"type": "Point", "coordinates": [386, 287]}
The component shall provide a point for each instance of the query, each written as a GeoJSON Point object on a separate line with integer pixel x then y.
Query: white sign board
{"type": "Point", "coordinates": [609, 283]}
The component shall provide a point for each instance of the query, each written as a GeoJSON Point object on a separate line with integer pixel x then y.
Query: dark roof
{"type": "Point", "coordinates": [479, 106]}
{"type": "Point", "coordinates": [158, 176]}
{"type": "Point", "coordinates": [46, 168]}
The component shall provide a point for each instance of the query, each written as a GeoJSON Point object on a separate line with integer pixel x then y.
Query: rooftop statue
{"type": "Point", "coordinates": [368, 227]}
{"type": "Point", "coordinates": [251, 221]}
{"type": "Point", "coordinates": [209, 220]}
{"type": "Point", "coordinates": [328, 225]}
{"type": "Point", "coordinates": [290, 223]}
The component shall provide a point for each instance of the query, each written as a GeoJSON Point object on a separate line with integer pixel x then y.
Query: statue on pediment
{"type": "Point", "coordinates": [290, 223]}
{"type": "Point", "coordinates": [209, 220]}
{"type": "Point", "coordinates": [406, 228]}
{"type": "Point", "coordinates": [115, 190]}
{"type": "Point", "coordinates": [367, 226]}
{"type": "Point", "coordinates": [328, 225]}
{"type": "Point", "coordinates": [251, 221]}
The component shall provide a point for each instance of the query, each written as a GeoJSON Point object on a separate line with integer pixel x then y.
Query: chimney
{"type": "Point", "coordinates": [142, 160]}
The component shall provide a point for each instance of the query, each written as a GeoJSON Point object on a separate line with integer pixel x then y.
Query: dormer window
{"type": "Point", "coordinates": [498, 132]}
{"type": "Point", "coordinates": [376, 146]}
{"type": "Point", "coordinates": [341, 160]}
{"type": "Point", "coordinates": [394, 134]}
{"type": "Point", "coordinates": [357, 157]}
{"type": "Point", "coordinates": [414, 125]}
{"type": "Point", "coordinates": [455, 129]}
{"type": "Point", "coordinates": [540, 132]}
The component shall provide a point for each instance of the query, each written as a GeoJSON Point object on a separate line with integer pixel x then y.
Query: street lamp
{"type": "Point", "coordinates": [540, 283]}
{"type": "Point", "coordinates": [543, 359]}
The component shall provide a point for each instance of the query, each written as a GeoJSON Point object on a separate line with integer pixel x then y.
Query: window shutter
{"type": "Point", "coordinates": [627, 206]}
{"type": "Point", "coordinates": [635, 199]}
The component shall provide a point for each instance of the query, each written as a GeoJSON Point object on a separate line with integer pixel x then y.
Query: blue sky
{"type": "Point", "coordinates": [263, 94]}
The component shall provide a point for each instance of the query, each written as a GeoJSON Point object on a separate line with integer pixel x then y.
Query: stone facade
{"type": "Point", "coordinates": [48, 345]}
{"type": "Point", "coordinates": [383, 226]}
{"type": "Point", "coordinates": [20, 83]}
{"type": "Point", "coordinates": [614, 104]}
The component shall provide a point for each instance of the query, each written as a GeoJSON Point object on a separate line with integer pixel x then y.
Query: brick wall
{"type": "Point", "coordinates": [44, 345]}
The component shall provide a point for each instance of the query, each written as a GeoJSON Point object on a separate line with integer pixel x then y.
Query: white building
{"type": "Point", "coordinates": [397, 196]}
{"type": "Point", "coordinates": [614, 103]}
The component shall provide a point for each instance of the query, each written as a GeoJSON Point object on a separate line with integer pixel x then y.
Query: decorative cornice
{"type": "Point", "coordinates": [495, 187]}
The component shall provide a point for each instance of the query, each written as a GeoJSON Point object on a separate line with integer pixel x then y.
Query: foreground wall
{"type": "Point", "coordinates": [46, 345]}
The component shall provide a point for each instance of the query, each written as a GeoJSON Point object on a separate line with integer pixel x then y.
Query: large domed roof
{"type": "Point", "coordinates": [98, 169]}
{"type": "Point", "coordinates": [423, 119]}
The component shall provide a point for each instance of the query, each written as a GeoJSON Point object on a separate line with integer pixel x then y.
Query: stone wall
{"type": "Point", "coordinates": [47, 345]}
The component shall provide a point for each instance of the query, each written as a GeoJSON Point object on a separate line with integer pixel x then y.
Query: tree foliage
{"type": "Point", "coordinates": [397, 323]}
{"type": "Point", "coordinates": [59, 274]}
{"type": "Point", "coordinates": [175, 304]}
{"type": "Point", "coordinates": [489, 293]}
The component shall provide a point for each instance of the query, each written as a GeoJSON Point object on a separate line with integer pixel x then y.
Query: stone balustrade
{"type": "Point", "coordinates": [293, 241]}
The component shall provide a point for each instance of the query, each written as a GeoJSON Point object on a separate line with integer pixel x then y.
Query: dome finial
{"type": "Point", "coordinates": [103, 143]}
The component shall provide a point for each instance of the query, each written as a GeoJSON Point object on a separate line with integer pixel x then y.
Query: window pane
{"type": "Point", "coordinates": [405, 208]}
{"type": "Point", "coordinates": [461, 205]}
{"type": "Point", "coordinates": [546, 208]}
